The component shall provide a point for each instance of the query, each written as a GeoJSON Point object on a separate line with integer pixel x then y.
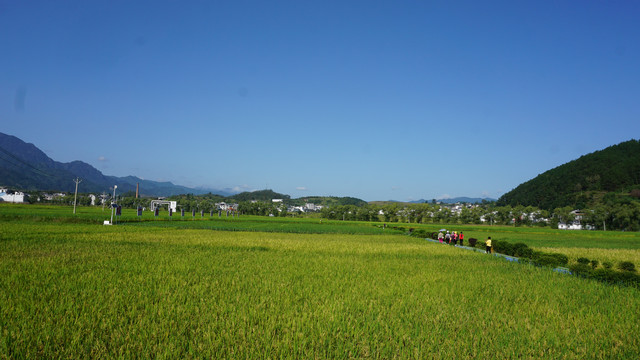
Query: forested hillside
{"type": "Point", "coordinates": [25, 167]}
{"type": "Point", "coordinates": [583, 182]}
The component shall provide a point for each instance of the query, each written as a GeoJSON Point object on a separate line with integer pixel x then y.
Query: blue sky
{"type": "Point", "coordinates": [378, 100]}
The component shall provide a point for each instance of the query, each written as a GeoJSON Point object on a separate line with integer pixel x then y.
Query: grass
{"type": "Point", "coordinates": [86, 290]}
{"type": "Point", "coordinates": [613, 256]}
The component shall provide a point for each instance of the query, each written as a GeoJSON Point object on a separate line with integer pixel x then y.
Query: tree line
{"type": "Point", "coordinates": [612, 213]}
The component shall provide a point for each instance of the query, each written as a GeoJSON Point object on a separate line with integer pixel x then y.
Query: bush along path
{"type": "Point", "coordinates": [584, 268]}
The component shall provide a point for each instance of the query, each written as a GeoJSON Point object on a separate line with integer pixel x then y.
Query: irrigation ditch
{"type": "Point", "coordinates": [559, 269]}
{"type": "Point", "coordinates": [626, 277]}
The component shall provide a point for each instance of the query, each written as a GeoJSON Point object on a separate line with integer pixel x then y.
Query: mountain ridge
{"type": "Point", "coordinates": [25, 166]}
{"type": "Point", "coordinates": [581, 182]}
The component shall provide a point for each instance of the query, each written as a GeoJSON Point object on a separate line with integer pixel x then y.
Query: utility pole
{"type": "Point", "coordinates": [113, 199]}
{"type": "Point", "coordinates": [75, 198]}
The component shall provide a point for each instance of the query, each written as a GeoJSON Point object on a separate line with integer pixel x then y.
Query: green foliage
{"type": "Point", "coordinates": [580, 269]}
{"type": "Point", "coordinates": [594, 263]}
{"type": "Point", "coordinates": [607, 265]}
{"type": "Point", "coordinates": [260, 195]}
{"type": "Point", "coordinates": [523, 251]}
{"type": "Point", "coordinates": [560, 258]}
{"type": "Point", "coordinates": [578, 182]}
{"type": "Point", "coordinates": [503, 247]}
{"type": "Point", "coordinates": [420, 233]}
{"type": "Point", "coordinates": [583, 260]}
{"type": "Point", "coordinates": [606, 275]}
{"type": "Point", "coordinates": [547, 260]}
{"type": "Point", "coordinates": [627, 266]}
{"type": "Point", "coordinates": [473, 242]}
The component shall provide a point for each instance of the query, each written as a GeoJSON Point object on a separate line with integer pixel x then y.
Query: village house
{"type": "Point", "coordinates": [576, 224]}
{"type": "Point", "coordinates": [226, 207]}
{"type": "Point", "coordinates": [7, 195]}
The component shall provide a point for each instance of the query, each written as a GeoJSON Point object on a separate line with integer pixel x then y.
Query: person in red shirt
{"type": "Point", "coordinates": [461, 238]}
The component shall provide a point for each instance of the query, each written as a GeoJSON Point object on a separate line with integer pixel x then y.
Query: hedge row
{"type": "Point", "coordinates": [522, 251]}
{"type": "Point", "coordinates": [609, 276]}
{"type": "Point", "coordinates": [584, 268]}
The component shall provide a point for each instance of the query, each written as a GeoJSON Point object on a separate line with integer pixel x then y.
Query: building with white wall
{"type": "Point", "coordinates": [7, 195]}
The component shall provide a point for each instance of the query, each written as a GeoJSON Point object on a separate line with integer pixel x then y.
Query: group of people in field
{"type": "Point", "coordinates": [451, 238]}
{"type": "Point", "coordinates": [455, 238]}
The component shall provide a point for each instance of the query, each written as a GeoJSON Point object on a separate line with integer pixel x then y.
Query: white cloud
{"type": "Point", "coordinates": [445, 196]}
{"type": "Point", "coordinates": [102, 158]}
{"type": "Point", "coordinates": [301, 188]}
{"type": "Point", "coordinates": [241, 188]}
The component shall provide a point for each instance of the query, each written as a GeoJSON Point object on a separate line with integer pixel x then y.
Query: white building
{"type": "Point", "coordinates": [227, 207]}
{"type": "Point", "coordinates": [50, 197]}
{"type": "Point", "coordinates": [576, 224]}
{"type": "Point", "coordinates": [12, 197]}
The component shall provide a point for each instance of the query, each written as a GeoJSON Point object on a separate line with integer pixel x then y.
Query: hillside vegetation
{"type": "Point", "coordinates": [585, 182]}
{"type": "Point", "coordinates": [25, 167]}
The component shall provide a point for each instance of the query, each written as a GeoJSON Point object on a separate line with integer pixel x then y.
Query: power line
{"type": "Point", "coordinates": [22, 162]}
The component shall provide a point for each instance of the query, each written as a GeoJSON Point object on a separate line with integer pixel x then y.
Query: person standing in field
{"type": "Point", "coordinates": [461, 238]}
{"type": "Point", "coordinates": [440, 236]}
{"type": "Point", "coordinates": [455, 237]}
{"type": "Point", "coordinates": [447, 238]}
{"type": "Point", "coordinates": [488, 244]}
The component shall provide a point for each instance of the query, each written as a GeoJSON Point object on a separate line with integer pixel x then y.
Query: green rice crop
{"type": "Point", "coordinates": [613, 256]}
{"type": "Point", "coordinates": [86, 290]}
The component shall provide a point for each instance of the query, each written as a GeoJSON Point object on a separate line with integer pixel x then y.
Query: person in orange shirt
{"type": "Point", "coordinates": [461, 238]}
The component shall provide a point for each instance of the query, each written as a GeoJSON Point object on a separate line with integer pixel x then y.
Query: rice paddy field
{"type": "Point", "coordinates": [271, 288]}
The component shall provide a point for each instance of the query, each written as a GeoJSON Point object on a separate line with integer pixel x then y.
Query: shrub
{"type": "Point", "coordinates": [615, 277]}
{"type": "Point", "coordinates": [502, 247]}
{"type": "Point", "coordinates": [472, 242]}
{"type": "Point", "coordinates": [594, 264]}
{"type": "Point", "coordinates": [627, 266]}
{"type": "Point", "coordinates": [605, 275]}
{"type": "Point", "coordinates": [421, 233]}
{"type": "Point", "coordinates": [526, 253]}
{"type": "Point", "coordinates": [607, 265]}
{"type": "Point", "coordinates": [561, 258]}
{"type": "Point", "coordinates": [628, 278]}
{"type": "Point", "coordinates": [580, 269]}
{"type": "Point", "coordinates": [522, 250]}
{"type": "Point", "coordinates": [583, 260]}
{"type": "Point", "coordinates": [546, 260]}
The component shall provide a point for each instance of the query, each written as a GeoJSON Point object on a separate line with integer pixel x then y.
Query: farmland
{"type": "Point", "coordinates": [255, 287]}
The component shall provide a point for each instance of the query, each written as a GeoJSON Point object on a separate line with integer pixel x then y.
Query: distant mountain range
{"type": "Point", "coordinates": [23, 166]}
{"type": "Point", "coordinates": [442, 201]}
{"type": "Point", "coordinates": [455, 200]}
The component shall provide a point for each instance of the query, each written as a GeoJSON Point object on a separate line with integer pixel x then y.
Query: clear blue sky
{"type": "Point", "coordinates": [378, 100]}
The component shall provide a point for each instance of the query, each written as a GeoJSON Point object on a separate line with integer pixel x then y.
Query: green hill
{"type": "Point", "coordinates": [25, 167]}
{"type": "Point", "coordinates": [260, 195]}
{"type": "Point", "coordinates": [582, 182]}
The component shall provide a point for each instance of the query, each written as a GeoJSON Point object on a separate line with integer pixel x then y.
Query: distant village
{"type": "Point", "coordinates": [576, 223]}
